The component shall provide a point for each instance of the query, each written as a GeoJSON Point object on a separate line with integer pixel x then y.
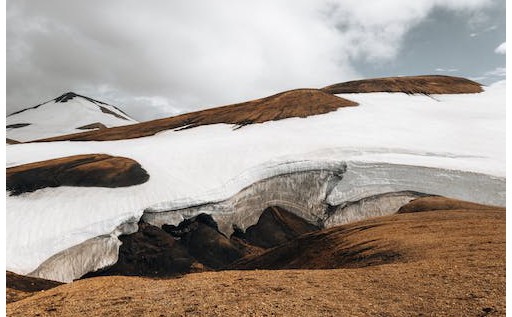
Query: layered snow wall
{"type": "Point", "coordinates": [324, 193]}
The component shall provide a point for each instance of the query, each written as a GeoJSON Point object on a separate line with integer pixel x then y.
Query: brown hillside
{"type": "Point", "coordinates": [11, 141]}
{"type": "Point", "coordinates": [20, 286]}
{"type": "Point", "coordinates": [96, 125]}
{"type": "Point", "coordinates": [445, 263]}
{"type": "Point", "coordinates": [426, 84]}
{"type": "Point", "coordinates": [431, 203]}
{"type": "Point", "coordinates": [294, 103]}
{"type": "Point", "coordinates": [99, 170]}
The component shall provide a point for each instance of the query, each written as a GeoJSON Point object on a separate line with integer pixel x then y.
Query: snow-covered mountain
{"type": "Point", "coordinates": [65, 114]}
{"type": "Point", "coordinates": [328, 158]}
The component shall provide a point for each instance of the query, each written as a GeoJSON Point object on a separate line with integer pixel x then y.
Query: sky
{"type": "Point", "coordinates": [159, 58]}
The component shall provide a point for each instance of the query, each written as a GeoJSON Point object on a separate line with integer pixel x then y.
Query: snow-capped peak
{"type": "Point", "coordinates": [68, 113]}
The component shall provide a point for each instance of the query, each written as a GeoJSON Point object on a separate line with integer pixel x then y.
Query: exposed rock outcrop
{"type": "Point", "coordinates": [96, 125]}
{"type": "Point", "coordinates": [98, 170]}
{"type": "Point", "coordinates": [203, 240]}
{"type": "Point", "coordinates": [11, 141]}
{"type": "Point", "coordinates": [196, 244]}
{"type": "Point", "coordinates": [17, 125]}
{"type": "Point", "coordinates": [274, 227]}
{"type": "Point", "coordinates": [149, 252]}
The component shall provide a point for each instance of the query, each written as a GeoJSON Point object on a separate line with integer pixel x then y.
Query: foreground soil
{"type": "Point", "coordinates": [20, 286]}
{"type": "Point", "coordinates": [446, 263]}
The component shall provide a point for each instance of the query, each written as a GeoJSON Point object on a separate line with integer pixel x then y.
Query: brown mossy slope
{"type": "Point", "coordinates": [431, 203]}
{"type": "Point", "coordinates": [425, 84]}
{"type": "Point", "coordinates": [451, 263]}
{"type": "Point", "coordinates": [20, 286]}
{"type": "Point", "coordinates": [384, 239]}
{"type": "Point", "coordinates": [11, 141]}
{"type": "Point", "coordinates": [88, 170]}
{"type": "Point", "coordinates": [294, 103]}
{"type": "Point", "coordinates": [96, 125]}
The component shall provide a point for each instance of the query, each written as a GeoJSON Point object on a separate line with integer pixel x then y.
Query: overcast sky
{"type": "Point", "coordinates": [159, 58]}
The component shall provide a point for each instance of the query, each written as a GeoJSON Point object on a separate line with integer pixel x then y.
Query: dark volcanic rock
{"type": "Point", "coordinates": [149, 252]}
{"type": "Point", "coordinates": [66, 97]}
{"type": "Point", "coordinates": [203, 240]}
{"type": "Point", "coordinates": [96, 125]}
{"type": "Point", "coordinates": [19, 286]}
{"type": "Point", "coordinates": [17, 125]}
{"type": "Point", "coordinates": [274, 227]}
{"type": "Point", "coordinates": [11, 141]}
{"type": "Point", "coordinates": [194, 245]}
{"type": "Point", "coordinates": [89, 170]}
{"type": "Point", "coordinates": [27, 283]}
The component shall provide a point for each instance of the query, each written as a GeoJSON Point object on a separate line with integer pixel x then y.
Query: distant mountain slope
{"type": "Point", "coordinates": [299, 103]}
{"type": "Point", "coordinates": [65, 114]}
{"type": "Point", "coordinates": [289, 104]}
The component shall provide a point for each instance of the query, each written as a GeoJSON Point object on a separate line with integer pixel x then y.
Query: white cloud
{"type": "Point", "coordinates": [497, 72]}
{"type": "Point", "coordinates": [493, 75]}
{"type": "Point", "coordinates": [501, 49]}
{"type": "Point", "coordinates": [488, 29]}
{"type": "Point", "coordinates": [195, 54]}
{"type": "Point", "coordinates": [447, 70]}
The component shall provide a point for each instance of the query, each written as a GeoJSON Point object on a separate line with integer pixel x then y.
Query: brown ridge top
{"type": "Point", "coordinates": [11, 141]}
{"type": "Point", "coordinates": [425, 84]}
{"type": "Point", "coordinates": [432, 203]}
{"type": "Point", "coordinates": [95, 125]}
{"type": "Point", "coordinates": [88, 170]}
{"type": "Point", "coordinates": [294, 103]}
{"type": "Point", "coordinates": [451, 263]}
{"type": "Point", "coordinates": [17, 125]}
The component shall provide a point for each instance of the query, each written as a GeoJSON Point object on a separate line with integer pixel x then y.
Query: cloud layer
{"type": "Point", "coordinates": [162, 57]}
{"type": "Point", "coordinates": [501, 49]}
